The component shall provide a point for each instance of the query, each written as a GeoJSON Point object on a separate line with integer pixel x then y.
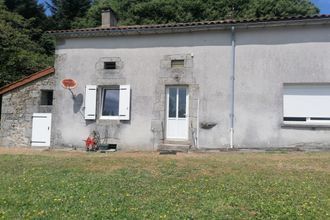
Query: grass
{"type": "Point", "coordinates": [59, 185]}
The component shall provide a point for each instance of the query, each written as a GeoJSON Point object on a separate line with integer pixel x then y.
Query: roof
{"type": "Point", "coordinates": [26, 80]}
{"type": "Point", "coordinates": [192, 26]}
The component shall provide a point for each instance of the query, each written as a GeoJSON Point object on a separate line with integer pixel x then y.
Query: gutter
{"type": "Point", "coordinates": [232, 80]}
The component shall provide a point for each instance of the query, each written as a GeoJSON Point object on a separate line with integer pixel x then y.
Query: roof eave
{"type": "Point", "coordinates": [182, 29]}
{"type": "Point", "coordinates": [26, 80]}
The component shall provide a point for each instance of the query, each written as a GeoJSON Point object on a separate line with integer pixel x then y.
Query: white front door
{"type": "Point", "coordinates": [177, 112]}
{"type": "Point", "coordinates": [41, 128]}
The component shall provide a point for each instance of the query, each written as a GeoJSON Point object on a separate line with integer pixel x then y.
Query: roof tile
{"type": "Point", "coordinates": [26, 80]}
{"type": "Point", "coordinates": [192, 24]}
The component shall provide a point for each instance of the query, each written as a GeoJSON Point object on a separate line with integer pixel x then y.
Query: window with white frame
{"type": "Point", "coordinates": [110, 102]}
{"type": "Point", "coordinates": [114, 102]}
{"type": "Point", "coordinates": [306, 104]}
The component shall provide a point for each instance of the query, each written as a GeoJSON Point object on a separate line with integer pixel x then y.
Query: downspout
{"type": "Point", "coordinates": [232, 78]}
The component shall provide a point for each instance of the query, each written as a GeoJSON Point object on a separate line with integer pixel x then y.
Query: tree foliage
{"type": "Point", "coordinates": [168, 11]}
{"type": "Point", "coordinates": [25, 48]}
{"type": "Point", "coordinates": [64, 12]}
{"type": "Point", "coordinates": [19, 54]}
{"type": "Point", "coordinates": [34, 13]}
{"type": "Point", "coordinates": [29, 9]}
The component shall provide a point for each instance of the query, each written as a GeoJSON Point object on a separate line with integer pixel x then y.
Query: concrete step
{"type": "Point", "coordinates": [177, 142]}
{"type": "Point", "coordinates": [174, 147]}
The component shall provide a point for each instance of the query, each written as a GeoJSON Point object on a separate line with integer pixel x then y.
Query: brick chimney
{"type": "Point", "coordinates": [108, 18]}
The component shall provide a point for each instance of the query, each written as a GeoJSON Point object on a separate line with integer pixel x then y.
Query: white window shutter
{"type": "Point", "coordinates": [90, 102]}
{"type": "Point", "coordinates": [124, 102]}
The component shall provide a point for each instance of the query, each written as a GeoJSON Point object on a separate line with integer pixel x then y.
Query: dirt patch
{"type": "Point", "coordinates": [31, 151]}
{"type": "Point", "coordinates": [13, 150]}
{"type": "Point", "coordinates": [219, 156]}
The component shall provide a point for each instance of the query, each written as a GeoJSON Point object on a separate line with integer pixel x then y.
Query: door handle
{"type": "Point", "coordinates": [48, 128]}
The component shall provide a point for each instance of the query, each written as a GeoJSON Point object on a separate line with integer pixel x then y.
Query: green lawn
{"type": "Point", "coordinates": [57, 185]}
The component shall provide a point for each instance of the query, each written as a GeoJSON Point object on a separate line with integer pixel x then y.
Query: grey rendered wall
{"type": "Point", "coordinates": [267, 58]}
{"type": "Point", "coordinates": [144, 64]}
{"type": "Point", "coordinates": [18, 107]}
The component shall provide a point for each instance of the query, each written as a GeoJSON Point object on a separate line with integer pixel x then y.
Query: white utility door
{"type": "Point", "coordinates": [177, 112]}
{"type": "Point", "coordinates": [41, 128]}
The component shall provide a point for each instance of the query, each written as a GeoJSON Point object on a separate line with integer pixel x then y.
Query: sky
{"type": "Point", "coordinates": [324, 5]}
{"type": "Point", "coordinates": [43, 1]}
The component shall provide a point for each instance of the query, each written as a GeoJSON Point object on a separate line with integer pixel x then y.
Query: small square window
{"type": "Point", "coordinates": [0, 105]}
{"type": "Point", "coordinates": [46, 97]}
{"type": "Point", "coordinates": [177, 63]}
{"type": "Point", "coordinates": [109, 65]}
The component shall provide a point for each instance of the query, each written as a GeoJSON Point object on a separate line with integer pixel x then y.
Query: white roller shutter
{"type": "Point", "coordinates": [90, 102]}
{"type": "Point", "coordinates": [306, 101]}
{"type": "Point", "coordinates": [124, 102]}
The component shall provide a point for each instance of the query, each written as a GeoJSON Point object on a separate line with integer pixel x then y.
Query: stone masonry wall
{"type": "Point", "coordinates": [18, 107]}
{"type": "Point", "coordinates": [174, 76]}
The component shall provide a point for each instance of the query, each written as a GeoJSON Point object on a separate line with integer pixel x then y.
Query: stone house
{"type": "Point", "coordinates": [202, 85]}
{"type": "Point", "coordinates": [20, 100]}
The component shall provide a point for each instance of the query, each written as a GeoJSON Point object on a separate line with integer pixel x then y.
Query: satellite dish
{"type": "Point", "coordinates": [69, 84]}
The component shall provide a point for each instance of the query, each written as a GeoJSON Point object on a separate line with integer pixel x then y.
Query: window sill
{"type": "Point", "coordinates": [304, 125]}
{"type": "Point", "coordinates": [113, 119]}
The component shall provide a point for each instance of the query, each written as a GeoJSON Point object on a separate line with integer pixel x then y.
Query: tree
{"type": "Point", "coordinates": [25, 48]}
{"type": "Point", "coordinates": [36, 19]}
{"type": "Point", "coordinates": [280, 8]}
{"type": "Point", "coordinates": [166, 11]}
{"type": "Point", "coordinates": [28, 9]}
{"type": "Point", "coordinates": [19, 54]}
{"type": "Point", "coordinates": [64, 12]}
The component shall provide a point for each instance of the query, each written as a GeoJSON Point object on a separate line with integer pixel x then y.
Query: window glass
{"type": "Point", "coordinates": [177, 63]}
{"type": "Point", "coordinates": [109, 65]}
{"type": "Point", "coordinates": [182, 102]}
{"type": "Point", "coordinates": [110, 102]}
{"type": "Point", "coordinates": [294, 119]}
{"type": "Point", "coordinates": [0, 105]}
{"type": "Point", "coordinates": [46, 97]}
{"type": "Point", "coordinates": [172, 103]}
{"type": "Point", "coordinates": [320, 119]}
